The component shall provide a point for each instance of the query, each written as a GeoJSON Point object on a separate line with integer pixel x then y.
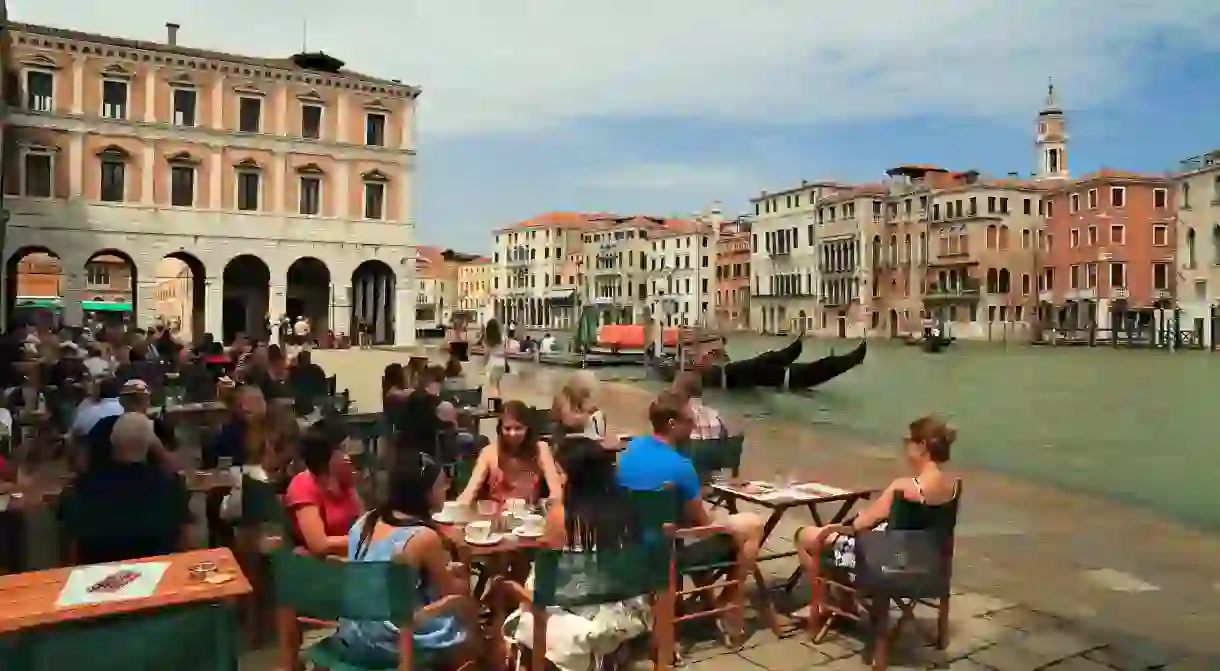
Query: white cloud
{"type": "Point", "coordinates": [493, 66]}
{"type": "Point", "coordinates": [672, 176]}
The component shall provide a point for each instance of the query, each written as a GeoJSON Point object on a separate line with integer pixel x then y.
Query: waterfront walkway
{"type": "Point", "coordinates": [1045, 577]}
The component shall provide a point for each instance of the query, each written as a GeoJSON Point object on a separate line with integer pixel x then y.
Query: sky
{"type": "Point", "coordinates": [664, 106]}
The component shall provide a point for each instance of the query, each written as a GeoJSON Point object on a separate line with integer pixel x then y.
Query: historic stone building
{"type": "Point", "coordinates": [283, 184]}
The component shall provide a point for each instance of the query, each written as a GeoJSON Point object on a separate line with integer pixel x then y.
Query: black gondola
{"type": "Point", "coordinates": [809, 375]}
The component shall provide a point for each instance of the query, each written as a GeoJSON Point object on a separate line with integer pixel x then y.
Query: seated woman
{"type": "Point", "coordinates": [594, 513]}
{"type": "Point", "coordinates": [127, 507]}
{"type": "Point", "coordinates": [243, 440]}
{"type": "Point", "coordinates": [573, 408]}
{"type": "Point", "coordinates": [403, 527]}
{"type": "Point", "coordinates": [516, 465]}
{"type": "Point", "coordinates": [322, 501]}
{"type": "Point", "coordinates": [926, 447]}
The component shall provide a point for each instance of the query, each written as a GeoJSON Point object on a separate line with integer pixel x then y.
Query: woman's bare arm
{"type": "Point", "coordinates": [313, 532]}
{"type": "Point", "coordinates": [482, 467]}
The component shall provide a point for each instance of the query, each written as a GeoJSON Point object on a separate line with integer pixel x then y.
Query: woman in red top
{"type": "Point", "coordinates": [322, 500]}
{"type": "Point", "coordinates": [516, 465]}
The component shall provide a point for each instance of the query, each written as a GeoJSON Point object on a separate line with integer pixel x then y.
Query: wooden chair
{"type": "Point", "coordinates": [904, 516]}
{"type": "Point", "coordinates": [321, 591]}
{"type": "Point", "coordinates": [570, 579]}
{"type": "Point", "coordinates": [716, 454]}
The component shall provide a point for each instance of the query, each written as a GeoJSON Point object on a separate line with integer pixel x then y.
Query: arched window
{"type": "Point", "coordinates": [1216, 244]}
{"type": "Point", "coordinates": [876, 250]}
{"type": "Point", "coordinates": [992, 237]}
{"type": "Point", "coordinates": [993, 280]}
{"type": "Point", "coordinates": [1004, 237]}
{"type": "Point", "coordinates": [1190, 247]}
{"type": "Point", "coordinates": [893, 250]}
{"type": "Point", "coordinates": [1005, 281]}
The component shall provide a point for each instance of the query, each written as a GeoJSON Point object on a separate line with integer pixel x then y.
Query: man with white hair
{"type": "Point", "coordinates": [126, 507]}
{"type": "Point", "coordinates": [135, 399]}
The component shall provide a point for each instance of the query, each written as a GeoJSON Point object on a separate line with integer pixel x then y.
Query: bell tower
{"type": "Point", "coordinates": [1052, 138]}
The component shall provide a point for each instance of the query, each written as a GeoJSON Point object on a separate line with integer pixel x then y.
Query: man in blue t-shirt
{"type": "Point", "coordinates": [649, 463]}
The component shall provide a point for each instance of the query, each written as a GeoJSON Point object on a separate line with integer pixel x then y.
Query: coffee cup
{"type": "Point", "coordinates": [515, 506]}
{"type": "Point", "coordinates": [531, 524]}
{"type": "Point", "coordinates": [452, 510]}
{"type": "Point", "coordinates": [478, 531]}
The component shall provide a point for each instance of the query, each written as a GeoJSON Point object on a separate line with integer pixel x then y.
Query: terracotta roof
{"type": "Point", "coordinates": [1106, 176]}
{"type": "Point", "coordinates": [564, 220]}
{"type": "Point", "coordinates": [277, 63]}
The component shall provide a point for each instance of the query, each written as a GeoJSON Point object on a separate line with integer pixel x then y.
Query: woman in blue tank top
{"type": "Point", "coordinates": [404, 527]}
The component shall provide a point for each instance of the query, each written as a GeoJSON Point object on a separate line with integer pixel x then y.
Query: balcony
{"type": "Point", "coordinates": [966, 290]}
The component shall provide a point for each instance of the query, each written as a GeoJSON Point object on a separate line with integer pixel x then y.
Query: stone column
{"type": "Point", "coordinates": [213, 307]}
{"type": "Point", "coordinates": [148, 172]}
{"type": "Point", "coordinates": [381, 295]}
{"type": "Point", "coordinates": [76, 166]}
{"type": "Point", "coordinates": [74, 293]}
{"type": "Point", "coordinates": [404, 313]}
{"type": "Point", "coordinates": [357, 308]}
{"type": "Point", "coordinates": [144, 303]}
{"type": "Point", "coordinates": [216, 179]}
{"type": "Point", "coordinates": [278, 305]}
{"type": "Point", "coordinates": [78, 86]}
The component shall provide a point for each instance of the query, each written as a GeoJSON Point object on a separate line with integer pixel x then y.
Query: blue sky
{"type": "Point", "coordinates": [666, 105]}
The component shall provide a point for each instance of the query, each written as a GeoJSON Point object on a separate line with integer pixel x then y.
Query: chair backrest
{"type": "Point", "coordinates": [331, 589]}
{"type": "Point", "coordinates": [906, 515]}
{"type": "Point", "coordinates": [466, 398]}
{"type": "Point", "coordinates": [261, 504]}
{"type": "Point", "coordinates": [712, 454]}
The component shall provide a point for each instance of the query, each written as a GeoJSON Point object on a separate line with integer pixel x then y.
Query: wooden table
{"type": "Point", "coordinates": [36, 634]}
{"type": "Point", "coordinates": [808, 495]}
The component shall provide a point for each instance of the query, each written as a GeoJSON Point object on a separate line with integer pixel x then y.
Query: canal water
{"type": "Point", "coordinates": [1136, 426]}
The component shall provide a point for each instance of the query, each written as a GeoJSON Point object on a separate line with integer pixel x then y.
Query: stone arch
{"type": "Point", "coordinates": [246, 296]}
{"type": "Point", "coordinates": [307, 293]}
{"type": "Point", "coordinates": [372, 301]}
{"type": "Point", "coordinates": [113, 275]}
{"type": "Point", "coordinates": [24, 287]}
{"type": "Point", "coordinates": [180, 294]}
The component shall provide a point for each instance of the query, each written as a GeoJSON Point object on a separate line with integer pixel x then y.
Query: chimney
{"type": "Point", "coordinates": [171, 33]}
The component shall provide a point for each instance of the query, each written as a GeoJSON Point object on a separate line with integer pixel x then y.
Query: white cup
{"type": "Point", "coordinates": [515, 506]}
{"type": "Point", "coordinates": [478, 531]}
{"type": "Point", "coordinates": [452, 510]}
{"type": "Point", "coordinates": [532, 524]}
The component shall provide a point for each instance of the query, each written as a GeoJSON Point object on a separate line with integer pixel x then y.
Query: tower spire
{"type": "Point", "coordinates": [1052, 101]}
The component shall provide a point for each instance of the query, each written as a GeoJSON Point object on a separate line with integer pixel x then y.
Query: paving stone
{"type": "Point", "coordinates": [1033, 651]}
{"type": "Point", "coordinates": [725, 663]}
{"type": "Point", "coordinates": [1024, 619]}
{"type": "Point", "coordinates": [1132, 655]}
{"type": "Point", "coordinates": [966, 665]}
{"type": "Point", "coordinates": [849, 664]}
{"type": "Point", "coordinates": [837, 645]}
{"type": "Point", "coordinates": [786, 655]}
{"type": "Point", "coordinates": [972, 604]}
{"type": "Point", "coordinates": [1078, 664]}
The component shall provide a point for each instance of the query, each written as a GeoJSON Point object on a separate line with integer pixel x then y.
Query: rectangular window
{"type": "Point", "coordinates": [181, 186]}
{"type": "Point", "coordinates": [1074, 238]}
{"type": "Point", "coordinates": [1160, 235]}
{"type": "Point", "coordinates": [311, 195]}
{"type": "Point", "coordinates": [184, 106]}
{"type": "Point", "coordinates": [39, 91]}
{"type": "Point", "coordinates": [97, 274]}
{"type": "Point", "coordinates": [1160, 198]}
{"type": "Point", "coordinates": [374, 200]}
{"type": "Point", "coordinates": [37, 177]}
{"type": "Point", "coordinates": [1003, 206]}
{"type": "Point", "coordinates": [1092, 236]}
{"type": "Point", "coordinates": [250, 114]}
{"type": "Point", "coordinates": [1118, 275]}
{"type": "Point", "coordinates": [1160, 276]}
{"type": "Point", "coordinates": [1028, 206]}
{"type": "Point", "coordinates": [247, 190]}
{"type": "Point", "coordinates": [114, 99]}
{"type": "Point", "coordinates": [374, 130]}
{"type": "Point", "coordinates": [991, 204]}
{"type": "Point", "coordinates": [113, 179]}
{"type": "Point", "coordinates": [1118, 196]}
{"type": "Point", "coordinates": [1117, 236]}
{"type": "Point", "coordinates": [1073, 204]}
{"type": "Point", "coordinates": [311, 122]}
{"type": "Point", "coordinates": [1090, 276]}
{"type": "Point", "coordinates": [1092, 199]}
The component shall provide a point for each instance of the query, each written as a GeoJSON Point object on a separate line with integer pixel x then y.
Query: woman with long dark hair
{"type": "Point", "coordinates": [594, 514]}
{"type": "Point", "coordinates": [403, 528]}
{"type": "Point", "coordinates": [497, 363]}
{"type": "Point", "coordinates": [322, 500]}
{"type": "Point", "coordinates": [516, 465]}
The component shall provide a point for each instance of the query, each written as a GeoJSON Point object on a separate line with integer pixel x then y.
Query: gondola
{"type": "Point", "coordinates": [809, 375]}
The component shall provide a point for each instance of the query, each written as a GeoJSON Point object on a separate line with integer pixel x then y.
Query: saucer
{"type": "Point", "coordinates": [442, 518]}
{"type": "Point", "coordinates": [521, 532]}
{"type": "Point", "coordinates": [490, 540]}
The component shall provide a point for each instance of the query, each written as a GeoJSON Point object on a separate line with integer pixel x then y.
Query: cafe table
{"type": "Point", "coordinates": [781, 499]}
{"type": "Point", "coordinates": [186, 624]}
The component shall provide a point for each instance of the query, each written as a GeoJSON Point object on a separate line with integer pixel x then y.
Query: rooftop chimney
{"type": "Point", "coordinates": [171, 33]}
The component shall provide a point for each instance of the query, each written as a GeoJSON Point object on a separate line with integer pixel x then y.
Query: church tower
{"type": "Point", "coordinates": [1052, 139]}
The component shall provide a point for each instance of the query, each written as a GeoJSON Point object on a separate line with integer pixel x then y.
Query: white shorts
{"type": "Point", "coordinates": [496, 368]}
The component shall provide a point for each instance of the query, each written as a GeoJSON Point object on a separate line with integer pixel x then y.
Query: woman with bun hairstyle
{"type": "Point", "coordinates": [925, 451]}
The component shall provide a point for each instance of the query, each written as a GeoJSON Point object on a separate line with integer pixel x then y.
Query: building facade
{"type": "Point", "coordinates": [683, 272]}
{"type": "Point", "coordinates": [1197, 199]}
{"type": "Point", "coordinates": [785, 254]}
{"type": "Point", "coordinates": [733, 274]}
{"type": "Point", "coordinates": [527, 287]}
{"type": "Point", "coordinates": [616, 264]}
{"type": "Point", "coordinates": [1108, 251]}
{"type": "Point", "coordinates": [284, 184]}
{"type": "Point", "coordinates": [174, 294]}
{"type": "Point", "coordinates": [474, 290]}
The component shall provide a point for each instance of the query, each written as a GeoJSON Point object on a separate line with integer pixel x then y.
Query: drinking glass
{"type": "Point", "coordinates": [486, 508]}
{"type": "Point", "coordinates": [721, 476]}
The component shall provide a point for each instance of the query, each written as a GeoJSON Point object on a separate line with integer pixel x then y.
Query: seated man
{"type": "Point", "coordinates": [708, 423]}
{"type": "Point", "coordinates": [649, 463]}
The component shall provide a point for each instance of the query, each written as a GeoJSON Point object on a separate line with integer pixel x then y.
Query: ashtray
{"type": "Point", "coordinates": [200, 572]}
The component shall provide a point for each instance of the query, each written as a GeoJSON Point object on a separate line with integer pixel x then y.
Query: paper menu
{"type": "Point", "coordinates": [76, 589]}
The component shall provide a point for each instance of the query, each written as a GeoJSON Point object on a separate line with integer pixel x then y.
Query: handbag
{"type": "Point", "coordinates": [907, 564]}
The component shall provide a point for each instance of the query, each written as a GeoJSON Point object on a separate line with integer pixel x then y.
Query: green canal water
{"type": "Point", "coordinates": [1135, 426]}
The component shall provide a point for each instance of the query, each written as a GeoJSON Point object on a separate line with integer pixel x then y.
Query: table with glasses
{"type": "Point", "coordinates": [181, 617]}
